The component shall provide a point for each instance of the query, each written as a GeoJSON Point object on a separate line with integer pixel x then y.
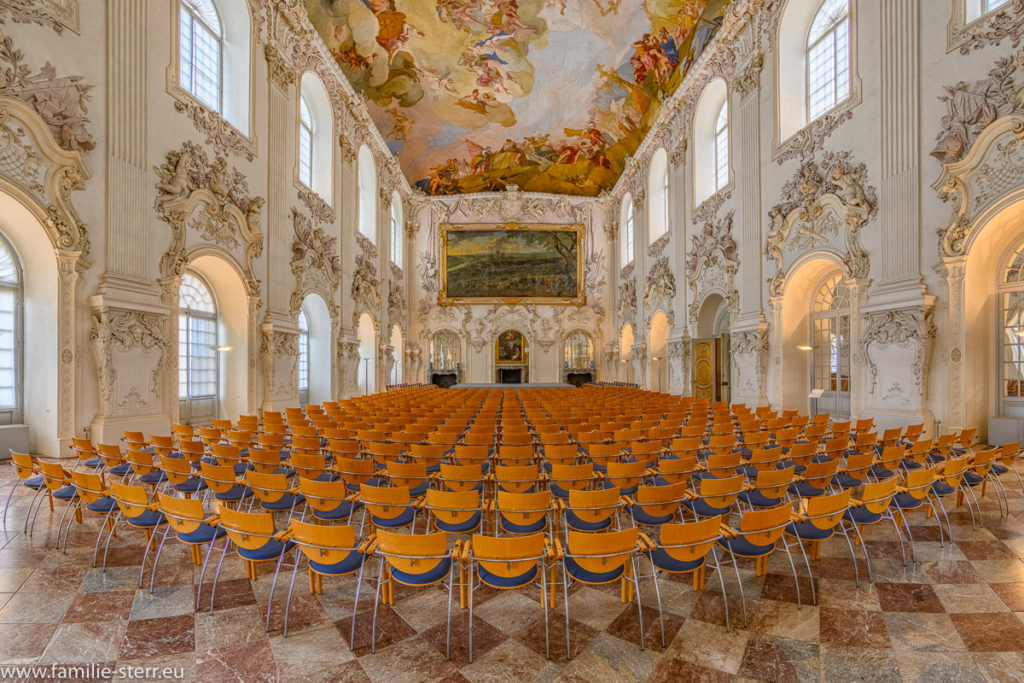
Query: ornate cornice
{"type": "Point", "coordinates": [219, 134]}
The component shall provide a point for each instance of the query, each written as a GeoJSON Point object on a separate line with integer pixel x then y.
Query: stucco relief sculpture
{"type": "Point", "coordinates": [187, 181]}
{"type": "Point", "coordinates": [907, 329]}
{"type": "Point", "coordinates": [315, 264]}
{"type": "Point", "coordinates": [365, 287]}
{"type": "Point", "coordinates": [711, 264]}
{"type": "Point", "coordinates": [823, 206]}
{"type": "Point", "coordinates": [127, 331]}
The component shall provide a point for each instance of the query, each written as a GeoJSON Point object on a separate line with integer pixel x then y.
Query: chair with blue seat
{"type": "Point", "coordinates": [357, 471]}
{"type": "Point", "coordinates": [135, 509]}
{"type": "Point", "coordinates": [919, 454]}
{"type": "Point", "coordinates": [161, 446]}
{"type": "Point", "coordinates": [268, 460]}
{"type": "Point", "coordinates": [192, 450]}
{"type": "Point", "coordinates": [592, 510]}
{"type": "Point", "coordinates": [565, 478]}
{"type": "Point", "coordinates": [454, 512]}
{"type": "Point", "coordinates": [596, 559]}
{"type": "Point", "coordinates": [311, 466]}
{"type": "Point", "coordinates": [410, 475]}
{"type": "Point", "coordinates": [1006, 462]}
{"type": "Point", "coordinates": [887, 463]}
{"type": "Point", "coordinates": [677, 470]}
{"type": "Point", "coordinates": [684, 548]}
{"type": "Point", "coordinates": [626, 476]}
{"type": "Point", "coordinates": [522, 513]}
{"type": "Point", "coordinates": [181, 477]}
{"type": "Point", "coordinates": [647, 452]}
{"type": "Point", "coordinates": [328, 501]}
{"type": "Point", "coordinates": [307, 443]}
{"type": "Point", "coordinates": [516, 479]}
{"type": "Point", "coordinates": [466, 454]}
{"type": "Point", "coordinates": [815, 480]}
{"type": "Point", "coordinates": [429, 455]}
{"type": "Point", "coordinates": [768, 489]}
{"type": "Point", "coordinates": [511, 563]}
{"type": "Point", "coordinates": [913, 495]}
{"type": "Point", "coordinates": [854, 470]}
{"type": "Point", "coordinates": [114, 462]}
{"type": "Point", "coordinates": [415, 560]}
{"type": "Point", "coordinates": [387, 507]}
{"type": "Point", "coordinates": [654, 506]}
{"type": "Point", "coordinates": [815, 523]}
{"type": "Point", "coordinates": [86, 454]}
{"type": "Point", "coordinates": [186, 518]}
{"type": "Point", "coordinates": [273, 493]}
{"type": "Point", "coordinates": [560, 454]}
{"type": "Point", "coordinates": [599, 455]}
{"type": "Point", "coordinates": [950, 482]}
{"type": "Point", "coordinates": [135, 441]}
{"type": "Point", "coordinates": [329, 550]}
{"type": "Point", "coordinates": [255, 540]}
{"type": "Point", "coordinates": [516, 455]}
{"type": "Point", "coordinates": [979, 473]}
{"type": "Point", "coordinates": [461, 477]}
{"type": "Point", "coordinates": [229, 455]}
{"type": "Point", "coordinates": [720, 466]}
{"type": "Point", "coordinates": [27, 476]}
{"type": "Point", "coordinates": [145, 469]}
{"type": "Point", "coordinates": [93, 496]}
{"type": "Point", "coordinates": [760, 458]}
{"type": "Point", "coordinates": [715, 496]}
{"type": "Point", "coordinates": [873, 507]}
{"type": "Point", "coordinates": [222, 481]}
{"type": "Point", "coordinates": [57, 486]}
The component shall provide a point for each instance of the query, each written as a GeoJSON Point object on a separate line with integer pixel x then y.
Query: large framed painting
{"type": "Point", "coordinates": [511, 263]}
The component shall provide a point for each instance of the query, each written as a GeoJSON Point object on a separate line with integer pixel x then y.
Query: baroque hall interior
{"type": "Point", "coordinates": [686, 336]}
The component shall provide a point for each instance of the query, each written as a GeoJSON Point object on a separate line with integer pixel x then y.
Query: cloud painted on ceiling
{"type": "Point", "coordinates": [545, 95]}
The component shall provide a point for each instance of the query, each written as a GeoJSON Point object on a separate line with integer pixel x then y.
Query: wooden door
{"type": "Point", "coordinates": [704, 363]}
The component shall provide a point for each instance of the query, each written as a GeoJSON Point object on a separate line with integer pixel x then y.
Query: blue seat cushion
{"type": "Point", "coordinates": [807, 531]}
{"type": "Point", "coordinates": [33, 482]}
{"type": "Point", "coordinates": [155, 477]}
{"type": "Point", "coordinates": [269, 550]}
{"type": "Point", "coordinates": [204, 534]}
{"type": "Point", "coordinates": [558, 491]}
{"type": "Point", "coordinates": [701, 508]}
{"type": "Point", "coordinates": [586, 576]}
{"type": "Point", "coordinates": [402, 519]}
{"type": "Point", "coordinates": [941, 488]}
{"type": "Point", "coordinates": [523, 528]}
{"type": "Point", "coordinates": [343, 510]}
{"type": "Point", "coordinates": [93, 462]}
{"type": "Point", "coordinates": [191, 485]}
{"type": "Point", "coordinates": [121, 470]}
{"type": "Point", "coordinates": [529, 490]}
{"type": "Point", "coordinates": [879, 472]}
{"type": "Point", "coordinates": [425, 579]}
{"type": "Point", "coordinates": [744, 548]}
{"type": "Point", "coordinates": [285, 502]}
{"type": "Point", "coordinates": [148, 519]}
{"type": "Point", "coordinates": [757, 499]}
{"type": "Point", "coordinates": [374, 481]}
{"type": "Point", "coordinates": [1000, 469]}
{"type": "Point", "coordinates": [704, 475]}
{"type": "Point", "coordinates": [575, 522]}
{"type": "Point", "coordinates": [805, 489]}
{"type": "Point", "coordinates": [464, 527]}
{"type": "Point", "coordinates": [239, 468]}
{"type": "Point", "coordinates": [911, 465]}
{"type": "Point", "coordinates": [973, 477]}
{"type": "Point", "coordinates": [662, 560]}
{"type": "Point", "coordinates": [419, 489]}
{"type": "Point", "coordinates": [328, 476]}
{"type": "Point", "coordinates": [235, 493]}
{"type": "Point", "coordinates": [68, 492]}
{"type": "Point", "coordinates": [102, 505]}
{"type": "Point", "coordinates": [845, 481]}
{"type": "Point", "coordinates": [905, 501]}
{"type": "Point", "coordinates": [496, 581]}
{"type": "Point", "coordinates": [642, 517]}
{"type": "Point", "coordinates": [861, 515]}
{"type": "Point", "coordinates": [353, 561]}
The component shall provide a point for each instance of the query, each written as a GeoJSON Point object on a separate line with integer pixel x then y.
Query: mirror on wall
{"type": "Point", "coordinates": [445, 350]}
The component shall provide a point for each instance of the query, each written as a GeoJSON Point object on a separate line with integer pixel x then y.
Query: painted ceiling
{"type": "Point", "coordinates": [546, 95]}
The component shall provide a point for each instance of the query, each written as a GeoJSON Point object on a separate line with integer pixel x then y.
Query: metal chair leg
{"type": "Point", "coordinates": [216, 574]}
{"type": "Point", "coordinates": [288, 602]}
{"type": "Point", "coordinates": [376, 602]}
{"type": "Point", "coordinates": [202, 571]}
{"type": "Point", "coordinates": [270, 600]}
{"type": "Point", "coordinates": [565, 590]}
{"type": "Point", "coordinates": [156, 561]}
{"type": "Point", "coordinates": [355, 607]}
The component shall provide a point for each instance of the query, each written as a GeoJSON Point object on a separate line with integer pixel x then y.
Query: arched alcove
{"type": "Point", "coordinates": [657, 195]}
{"type": "Point", "coordinates": [657, 340]}
{"type": "Point", "coordinates": [319, 320]}
{"type": "Point", "coordinates": [34, 251]}
{"type": "Point", "coordinates": [367, 180]}
{"type": "Point", "coordinates": [226, 280]}
{"type": "Point", "coordinates": [711, 349]}
{"type": "Point", "coordinates": [366, 332]}
{"type": "Point", "coordinates": [397, 353]}
{"type": "Point", "coordinates": [319, 167]}
{"type": "Point", "coordinates": [705, 128]}
{"type": "Point", "coordinates": [626, 341]}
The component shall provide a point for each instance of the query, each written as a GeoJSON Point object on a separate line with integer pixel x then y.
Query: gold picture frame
{"type": "Point", "coordinates": [484, 258]}
{"type": "Point", "coordinates": [511, 348]}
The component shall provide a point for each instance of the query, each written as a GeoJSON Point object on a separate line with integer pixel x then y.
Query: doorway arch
{"type": "Point", "coordinates": [712, 358]}
{"type": "Point", "coordinates": [397, 353]}
{"type": "Point", "coordinates": [318, 350]}
{"type": "Point", "coordinates": [626, 340]}
{"type": "Point", "coordinates": [658, 340]}
{"type": "Point", "coordinates": [366, 375]}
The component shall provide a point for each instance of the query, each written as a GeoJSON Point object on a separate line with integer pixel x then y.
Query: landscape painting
{"type": "Point", "coordinates": [511, 263]}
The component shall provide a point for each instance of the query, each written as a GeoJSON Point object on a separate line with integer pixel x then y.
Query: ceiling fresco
{"type": "Point", "coordinates": [545, 95]}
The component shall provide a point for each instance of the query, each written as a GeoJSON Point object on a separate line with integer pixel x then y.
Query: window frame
{"type": "Point", "coordinates": [304, 356]}
{"type": "Point", "coordinates": [15, 414]}
{"type": "Point", "coordinates": [396, 246]}
{"type": "Point", "coordinates": [1006, 291]}
{"type": "Point", "coordinates": [840, 320]}
{"type": "Point", "coordinates": [184, 9]}
{"type": "Point", "coordinates": [307, 126]}
{"type": "Point", "coordinates": [831, 30]}
{"type": "Point", "coordinates": [721, 138]}
{"type": "Point", "coordinates": [194, 314]}
{"type": "Point", "coordinates": [629, 232]}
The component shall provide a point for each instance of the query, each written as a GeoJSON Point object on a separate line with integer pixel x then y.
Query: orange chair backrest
{"type": "Point", "coordinates": [573, 476]}
{"type": "Point", "coordinates": [24, 465]}
{"type": "Point", "coordinates": [876, 495]}
{"type": "Point", "coordinates": [323, 496]}
{"type": "Point", "coordinates": [678, 470]}
{"type": "Point", "coordinates": [453, 507]}
{"type": "Point", "coordinates": [773, 483]}
{"type": "Point", "coordinates": [461, 477]}
{"type": "Point", "coordinates": [693, 540]}
{"type": "Point", "coordinates": [764, 527]}
{"type": "Point", "coordinates": [602, 552]}
{"type": "Point", "coordinates": [90, 486]}
{"type": "Point", "coordinates": [268, 488]}
{"type": "Point", "coordinates": [594, 506]}
{"type": "Point", "coordinates": [321, 543]}
{"type": "Point", "coordinates": [183, 514]}
{"type": "Point", "coordinates": [385, 502]}
{"type": "Point", "coordinates": [626, 474]}
{"type": "Point", "coordinates": [249, 530]}
{"type": "Point", "coordinates": [407, 474]}
{"type": "Point", "coordinates": [523, 508]}
{"type": "Point", "coordinates": [220, 478]}
{"type": "Point", "coordinates": [516, 478]}
{"type": "Point", "coordinates": [413, 553]}
{"type": "Point", "coordinates": [723, 464]}
{"type": "Point", "coordinates": [723, 492]}
{"type": "Point", "coordinates": [858, 464]}
{"type": "Point", "coordinates": [658, 501]}
{"type": "Point", "coordinates": [508, 556]}
{"type": "Point", "coordinates": [825, 512]}
{"type": "Point", "coordinates": [132, 500]}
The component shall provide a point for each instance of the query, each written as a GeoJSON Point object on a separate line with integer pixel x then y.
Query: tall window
{"type": "Point", "coordinates": [664, 197]}
{"type": "Point", "coordinates": [10, 336]}
{"type": "Point", "coordinates": [1011, 290]}
{"type": "Point", "coordinates": [828, 58]}
{"type": "Point", "coordinates": [722, 147]}
{"type": "Point", "coordinates": [628, 225]}
{"type": "Point", "coordinates": [303, 358]}
{"type": "Point", "coordinates": [201, 47]}
{"type": "Point", "coordinates": [993, 4]}
{"type": "Point", "coordinates": [396, 232]}
{"type": "Point", "coordinates": [830, 344]}
{"type": "Point", "coordinates": [197, 350]}
{"type": "Point", "coordinates": [367, 176]}
{"type": "Point", "coordinates": [305, 144]}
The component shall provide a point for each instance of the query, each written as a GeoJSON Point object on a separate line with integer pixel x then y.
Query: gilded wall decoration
{"type": "Point", "coordinates": [188, 181]}
{"type": "Point", "coordinates": [824, 206]}
{"type": "Point", "coordinates": [61, 101]}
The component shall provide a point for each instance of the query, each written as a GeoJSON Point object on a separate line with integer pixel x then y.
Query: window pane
{"type": "Point", "coordinates": [828, 58]}
{"type": "Point", "coordinates": [8, 337]}
{"type": "Point", "coordinates": [303, 351]}
{"type": "Point", "coordinates": [305, 156]}
{"type": "Point", "coordinates": [200, 57]}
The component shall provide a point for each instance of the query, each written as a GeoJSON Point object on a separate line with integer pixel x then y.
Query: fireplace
{"type": "Point", "coordinates": [510, 375]}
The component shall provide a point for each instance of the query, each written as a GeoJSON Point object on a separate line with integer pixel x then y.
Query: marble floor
{"type": "Point", "coordinates": [957, 615]}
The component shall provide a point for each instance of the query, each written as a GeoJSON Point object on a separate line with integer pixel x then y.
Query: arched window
{"type": "Point", "coordinates": [627, 226]}
{"type": "Point", "coordinates": [828, 58]}
{"type": "Point", "coordinates": [197, 351]}
{"type": "Point", "coordinates": [722, 147]}
{"type": "Point", "coordinates": [657, 194]}
{"type": "Point", "coordinates": [1011, 295]}
{"type": "Point", "coordinates": [830, 346]}
{"type": "Point", "coordinates": [303, 357]}
{"type": "Point", "coordinates": [305, 144]}
{"type": "Point", "coordinates": [316, 138]}
{"type": "Point", "coordinates": [201, 47]}
{"type": "Point", "coordinates": [396, 229]}
{"type": "Point", "coordinates": [11, 364]}
{"type": "Point", "coordinates": [367, 174]}
{"type": "Point", "coordinates": [711, 141]}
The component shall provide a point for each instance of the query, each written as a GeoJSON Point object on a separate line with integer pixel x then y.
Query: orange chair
{"type": "Point", "coordinates": [27, 475]}
{"type": "Point", "coordinates": [388, 508]}
{"type": "Point", "coordinates": [454, 512]}
{"type": "Point", "coordinates": [255, 541]}
{"type": "Point", "coordinates": [817, 522]}
{"type": "Point", "coordinates": [137, 512]}
{"type": "Point", "coordinates": [330, 501]}
{"type": "Point", "coordinates": [715, 496]}
{"type": "Point", "coordinates": [522, 513]}
{"type": "Point", "coordinates": [185, 517]}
